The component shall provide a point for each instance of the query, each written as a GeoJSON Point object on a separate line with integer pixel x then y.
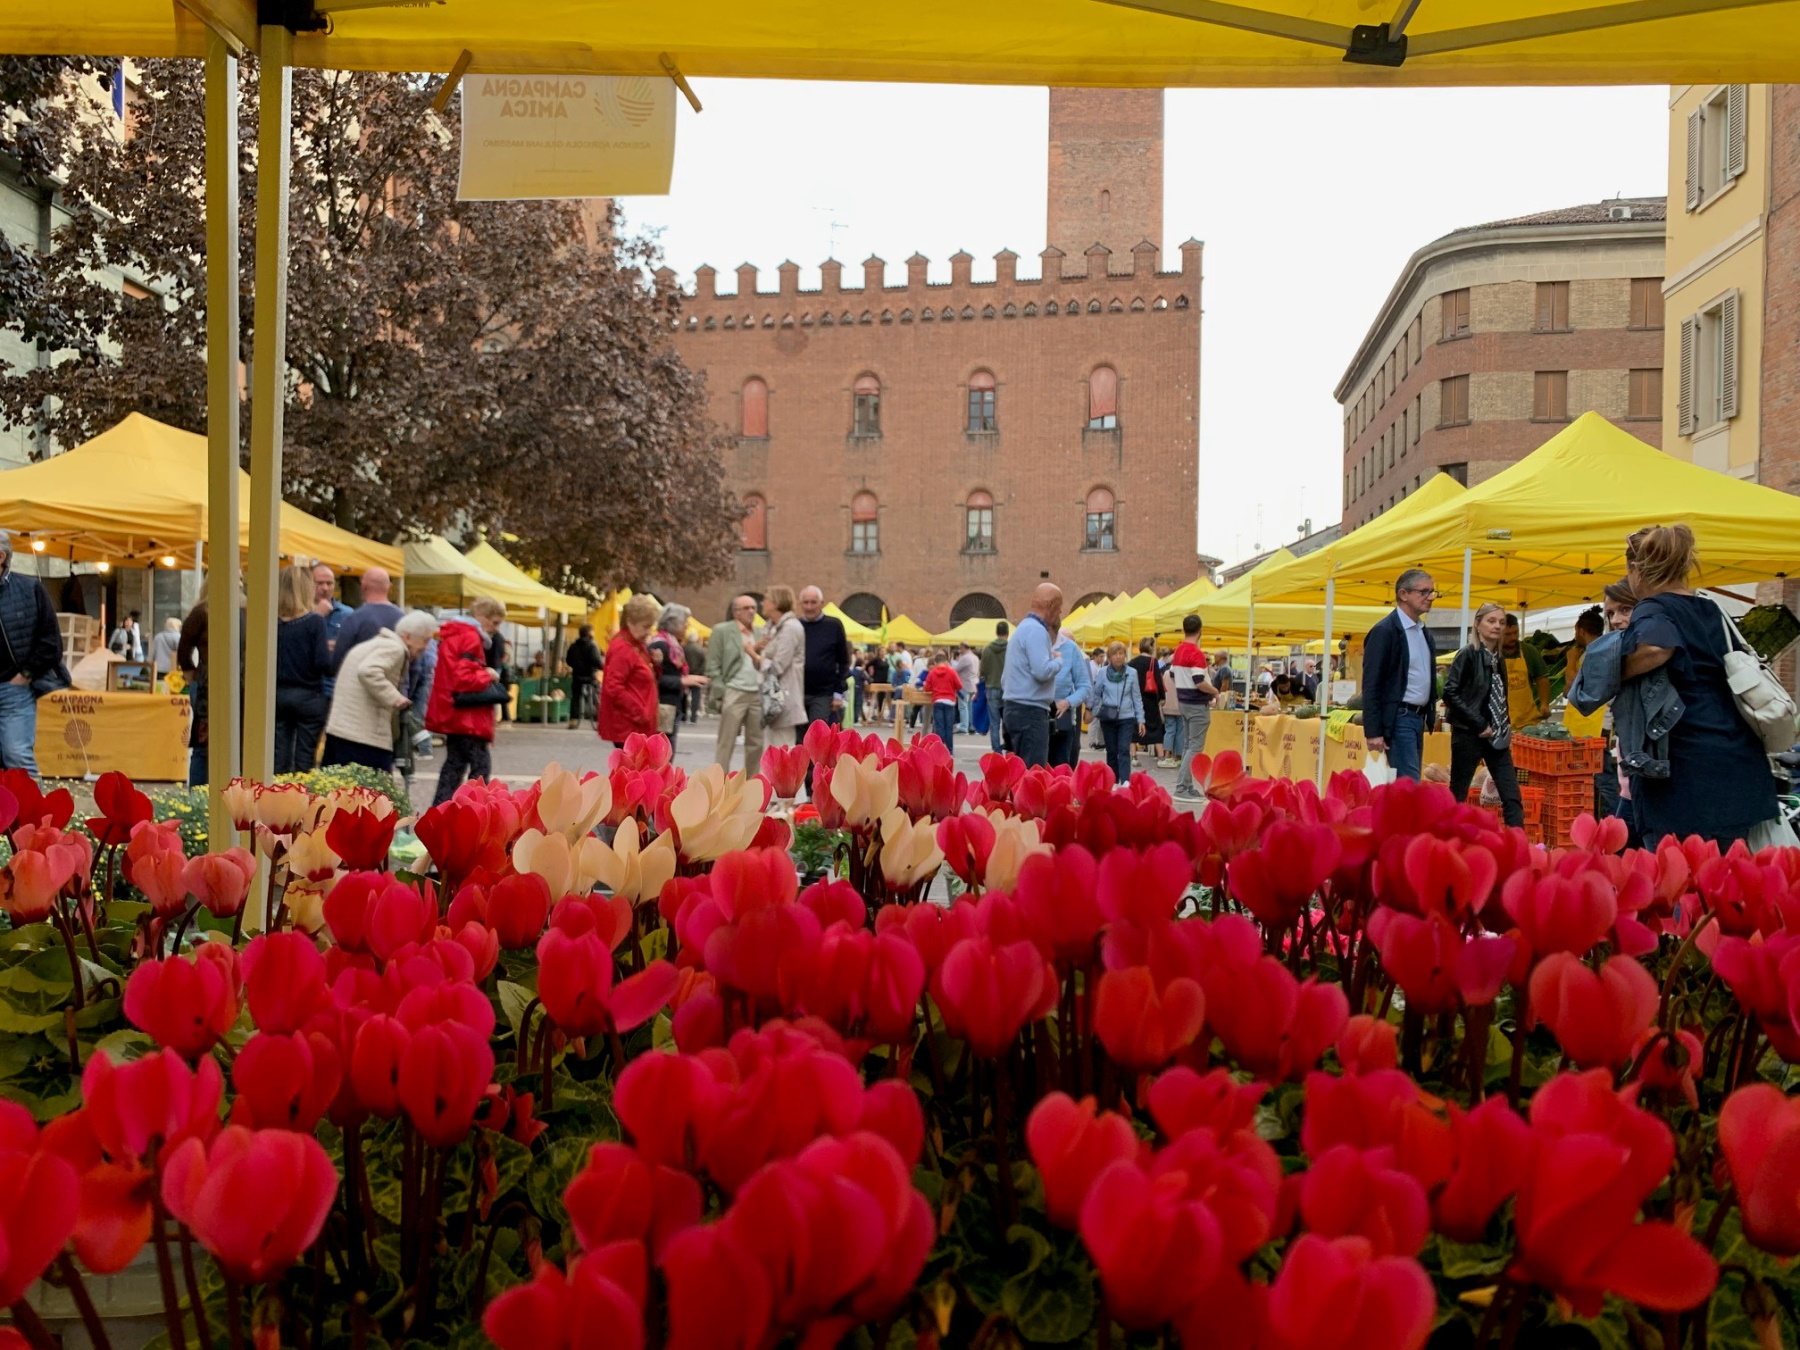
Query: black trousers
{"type": "Point", "coordinates": [464, 757]}
{"type": "Point", "coordinates": [1466, 751]}
{"type": "Point", "coordinates": [299, 722]}
{"type": "Point", "coordinates": [340, 751]}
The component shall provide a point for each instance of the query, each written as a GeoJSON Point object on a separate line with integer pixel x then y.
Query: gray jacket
{"type": "Point", "coordinates": [1644, 709]}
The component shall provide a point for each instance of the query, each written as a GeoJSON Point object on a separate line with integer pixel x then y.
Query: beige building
{"type": "Point", "coordinates": [1496, 336]}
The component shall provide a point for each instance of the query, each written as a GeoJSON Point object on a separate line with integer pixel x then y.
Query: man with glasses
{"type": "Point", "coordinates": [1400, 677]}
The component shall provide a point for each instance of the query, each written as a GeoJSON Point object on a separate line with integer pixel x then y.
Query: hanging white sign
{"type": "Point", "coordinates": [530, 137]}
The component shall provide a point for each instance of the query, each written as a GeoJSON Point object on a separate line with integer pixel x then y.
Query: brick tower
{"type": "Point", "coordinates": [1106, 169]}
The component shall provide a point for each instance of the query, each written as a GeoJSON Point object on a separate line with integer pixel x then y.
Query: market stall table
{"type": "Point", "coordinates": [1284, 746]}
{"type": "Point", "coordinates": [82, 732]}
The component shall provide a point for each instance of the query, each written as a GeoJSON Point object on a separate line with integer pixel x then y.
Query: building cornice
{"type": "Point", "coordinates": [1408, 290]}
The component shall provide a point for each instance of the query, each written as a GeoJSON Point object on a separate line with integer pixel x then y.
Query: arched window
{"type": "Point", "coordinates": [976, 605]}
{"type": "Point", "coordinates": [1099, 536]}
{"type": "Point", "coordinates": [865, 527]}
{"type": "Point", "coordinates": [1105, 201]}
{"type": "Point", "coordinates": [1103, 399]}
{"type": "Point", "coordinates": [754, 534]}
{"type": "Point", "coordinates": [865, 608]}
{"type": "Point", "coordinates": [755, 411]}
{"type": "Point", "coordinates": [866, 407]}
{"type": "Point", "coordinates": [979, 514]}
{"type": "Point", "coordinates": [981, 402]}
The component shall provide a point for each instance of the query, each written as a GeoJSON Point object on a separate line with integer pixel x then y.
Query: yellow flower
{"type": "Point", "coordinates": [909, 852]}
{"type": "Point", "coordinates": [572, 806]}
{"type": "Point", "coordinates": [715, 815]}
{"type": "Point", "coordinates": [636, 872]}
{"type": "Point", "coordinates": [1015, 840]}
{"type": "Point", "coordinates": [865, 791]}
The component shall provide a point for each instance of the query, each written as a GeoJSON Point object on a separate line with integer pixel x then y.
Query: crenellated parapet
{"type": "Point", "coordinates": [1096, 283]}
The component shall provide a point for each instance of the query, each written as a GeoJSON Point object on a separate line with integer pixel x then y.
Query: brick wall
{"type": "Point", "coordinates": [1780, 462]}
{"type": "Point", "coordinates": [1106, 170]}
{"type": "Point", "coordinates": [810, 348]}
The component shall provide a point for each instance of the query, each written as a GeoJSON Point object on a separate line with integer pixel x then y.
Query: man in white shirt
{"type": "Point", "coordinates": [968, 669]}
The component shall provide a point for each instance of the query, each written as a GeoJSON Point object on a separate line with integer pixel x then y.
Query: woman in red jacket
{"type": "Point", "coordinates": [462, 668]}
{"type": "Point", "coordinates": [628, 684]}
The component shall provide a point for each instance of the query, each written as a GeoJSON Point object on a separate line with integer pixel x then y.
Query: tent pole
{"type": "Point", "coordinates": [268, 371]}
{"type": "Point", "coordinates": [225, 621]}
{"type": "Point", "coordinates": [1249, 662]}
{"type": "Point", "coordinates": [1325, 677]}
{"type": "Point", "coordinates": [1462, 639]}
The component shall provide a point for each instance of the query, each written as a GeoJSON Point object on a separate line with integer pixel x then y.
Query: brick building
{"type": "Point", "coordinates": [938, 448]}
{"type": "Point", "coordinates": [1495, 337]}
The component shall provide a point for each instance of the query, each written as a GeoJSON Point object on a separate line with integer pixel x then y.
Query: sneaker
{"type": "Point", "coordinates": [1183, 795]}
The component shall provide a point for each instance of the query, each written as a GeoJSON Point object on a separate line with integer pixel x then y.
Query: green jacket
{"type": "Point", "coordinates": [724, 659]}
{"type": "Point", "coordinates": [993, 664]}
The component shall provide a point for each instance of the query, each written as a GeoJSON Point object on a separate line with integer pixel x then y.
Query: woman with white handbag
{"type": "Point", "coordinates": [1714, 779]}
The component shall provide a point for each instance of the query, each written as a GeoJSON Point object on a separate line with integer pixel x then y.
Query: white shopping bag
{"type": "Point", "coordinates": [1377, 770]}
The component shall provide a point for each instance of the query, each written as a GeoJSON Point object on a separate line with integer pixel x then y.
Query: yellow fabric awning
{"type": "Point", "coordinates": [1303, 578]}
{"type": "Point", "coordinates": [975, 632]}
{"type": "Point", "coordinates": [1551, 528]}
{"type": "Point", "coordinates": [490, 560]}
{"type": "Point", "coordinates": [856, 632]}
{"type": "Point", "coordinates": [1166, 615]}
{"type": "Point", "coordinates": [902, 629]}
{"type": "Point", "coordinates": [436, 574]}
{"type": "Point", "coordinates": [1148, 43]}
{"type": "Point", "coordinates": [136, 494]}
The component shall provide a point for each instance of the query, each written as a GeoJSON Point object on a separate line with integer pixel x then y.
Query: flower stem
{"type": "Point", "coordinates": [201, 1330]}
{"type": "Point", "coordinates": [32, 1327]}
{"type": "Point", "coordinates": [90, 1317]}
{"type": "Point", "coordinates": [165, 1274]}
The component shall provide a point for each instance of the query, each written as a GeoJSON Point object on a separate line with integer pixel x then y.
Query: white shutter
{"type": "Point", "coordinates": [1728, 353]}
{"type": "Point", "coordinates": [1695, 129]}
{"type": "Point", "coordinates": [1684, 404]}
{"type": "Point", "coordinates": [1737, 130]}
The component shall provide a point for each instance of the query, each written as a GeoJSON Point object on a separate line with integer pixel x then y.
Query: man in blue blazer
{"type": "Point", "coordinates": [1400, 677]}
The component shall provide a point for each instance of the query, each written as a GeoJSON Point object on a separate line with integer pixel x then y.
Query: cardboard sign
{"type": "Point", "coordinates": [532, 137]}
{"type": "Point", "coordinates": [144, 735]}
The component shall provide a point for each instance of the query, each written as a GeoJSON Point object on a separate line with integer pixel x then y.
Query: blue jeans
{"type": "Point", "coordinates": [18, 728]}
{"type": "Point", "coordinates": [1028, 726]}
{"type": "Point", "coordinates": [1117, 733]}
{"type": "Point", "coordinates": [964, 703]}
{"type": "Point", "coordinates": [1174, 735]}
{"type": "Point", "coordinates": [996, 713]}
{"type": "Point", "coordinates": [1406, 747]}
{"type": "Point", "coordinates": [943, 722]}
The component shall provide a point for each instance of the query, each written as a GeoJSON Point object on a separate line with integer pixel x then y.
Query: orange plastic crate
{"type": "Point", "coordinates": [1583, 754]}
{"type": "Point", "coordinates": [1533, 800]}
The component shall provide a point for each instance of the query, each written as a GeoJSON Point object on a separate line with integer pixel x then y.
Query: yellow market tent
{"type": "Point", "coordinates": [858, 633]}
{"type": "Point", "coordinates": [1551, 528]}
{"type": "Point", "coordinates": [975, 632]}
{"type": "Point", "coordinates": [1149, 43]}
{"type": "Point", "coordinates": [902, 629]}
{"type": "Point", "coordinates": [135, 495]}
{"type": "Point", "coordinates": [1304, 578]}
{"type": "Point", "coordinates": [1230, 616]}
{"type": "Point", "coordinates": [436, 574]}
{"type": "Point", "coordinates": [1166, 615]}
{"type": "Point", "coordinates": [490, 560]}
{"type": "Point", "coordinates": [1109, 622]}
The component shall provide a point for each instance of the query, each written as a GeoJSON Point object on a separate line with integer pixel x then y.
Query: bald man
{"type": "Point", "coordinates": [374, 614]}
{"type": "Point", "coordinates": [1028, 682]}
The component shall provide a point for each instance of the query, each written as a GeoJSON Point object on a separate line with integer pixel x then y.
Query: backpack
{"type": "Point", "coordinates": [1761, 699]}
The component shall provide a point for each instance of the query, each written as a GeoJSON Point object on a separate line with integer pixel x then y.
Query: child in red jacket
{"type": "Point", "coordinates": [944, 685]}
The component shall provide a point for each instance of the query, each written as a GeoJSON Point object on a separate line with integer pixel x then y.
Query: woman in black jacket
{"type": "Point", "coordinates": [1475, 707]}
{"type": "Point", "coordinates": [302, 665]}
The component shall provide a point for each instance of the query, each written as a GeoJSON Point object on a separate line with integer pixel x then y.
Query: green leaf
{"type": "Point", "coordinates": [1460, 1261]}
{"type": "Point", "coordinates": [655, 944]}
{"type": "Point", "coordinates": [514, 999]}
{"type": "Point", "coordinates": [125, 1044]}
{"type": "Point", "coordinates": [662, 1033]}
{"type": "Point", "coordinates": [545, 1183]}
{"type": "Point", "coordinates": [1052, 1300]}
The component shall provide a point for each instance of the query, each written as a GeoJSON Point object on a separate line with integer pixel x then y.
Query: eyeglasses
{"type": "Point", "coordinates": [1420, 590]}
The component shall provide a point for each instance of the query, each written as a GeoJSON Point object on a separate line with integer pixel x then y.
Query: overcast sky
{"type": "Point", "coordinates": [1308, 202]}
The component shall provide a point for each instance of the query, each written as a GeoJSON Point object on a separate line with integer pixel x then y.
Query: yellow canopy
{"type": "Point", "coordinates": [902, 629]}
{"type": "Point", "coordinates": [136, 495]}
{"type": "Point", "coordinates": [490, 560]}
{"type": "Point", "coordinates": [1551, 528]}
{"type": "Point", "coordinates": [1303, 578]}
{"type": "Point", "coordinates": [1109, 623]}
{"type": "Point", "coordinates": [1152, 43]}
{"type": "Point", "coordinates": [1167, 614]}
{"type": "Point", "coordinates": [436, 574]}
{"type": "Point", "coordinates": [856, 632]}
{"type": "Point", "coordinates": [1228, 615]}
{"type": "Point", "coordinates": [975, 632]}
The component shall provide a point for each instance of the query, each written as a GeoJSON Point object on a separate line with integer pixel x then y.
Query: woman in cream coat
{"type": "Point", "coordinates": [371, 689]}
{"type": "Point", "coordinates": [784, 652]}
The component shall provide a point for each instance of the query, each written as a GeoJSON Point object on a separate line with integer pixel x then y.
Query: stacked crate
{"type": "Point", "coordinates": [1531, 798]}
{"type": "Point", "coordinates": [1562, 774]}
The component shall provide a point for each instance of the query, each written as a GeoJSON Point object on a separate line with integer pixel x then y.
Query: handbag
{"type": "Point", "coordinates": [1761, 699]}
{"type": "Point", "coordinates": [491, 697]}
{"type": "Point", "coordinates": [774, 697]}
{"type": "Point", "coordinates": [665, 718]}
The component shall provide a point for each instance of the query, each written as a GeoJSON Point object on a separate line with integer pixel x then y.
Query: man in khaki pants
{"type": "Point", "coordinates": [734, 665]}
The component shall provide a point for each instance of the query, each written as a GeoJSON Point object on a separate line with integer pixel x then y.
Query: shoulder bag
{"type": "Point", "coordinates": [491, 697]}
{"type": "Point", "coordinates": [1761, 699]}
{"type": "Point", "coordinates": [774, 697]}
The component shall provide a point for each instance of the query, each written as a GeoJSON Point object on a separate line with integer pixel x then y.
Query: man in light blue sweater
{"type": "Point", "coordinates": [1072, 684]}
{"type": "Point", "coordinates": [1028, 684]}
